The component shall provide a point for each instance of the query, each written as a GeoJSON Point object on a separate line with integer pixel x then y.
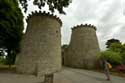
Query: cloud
{"type": "Point", "coordinates": [107, 15]}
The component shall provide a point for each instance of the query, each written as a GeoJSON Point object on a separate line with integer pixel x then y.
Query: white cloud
{"type": "Point", "coordinates": [107, 15]}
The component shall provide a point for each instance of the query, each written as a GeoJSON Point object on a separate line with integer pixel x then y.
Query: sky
{"type": "Point", "coordinates": [107, 15]}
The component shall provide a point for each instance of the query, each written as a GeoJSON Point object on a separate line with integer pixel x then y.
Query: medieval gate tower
{"type": "Point", "coordinates": [41, 46]}
{"type": "Point", "coordinates": [83, 48]}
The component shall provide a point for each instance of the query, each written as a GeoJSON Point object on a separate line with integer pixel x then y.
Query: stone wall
{"type": "Point", "coordinates": [83, 48]}
{"type": "Point", "coordinates": [41, 46]}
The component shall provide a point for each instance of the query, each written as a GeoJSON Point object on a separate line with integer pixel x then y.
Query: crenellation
{"type": "Point", "coordinates": [84, 26]}
{"type": "Point", "coordinates": [37, 13]}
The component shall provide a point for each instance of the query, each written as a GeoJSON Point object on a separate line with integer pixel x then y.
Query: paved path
{"type": "Point", "coordinates": [67, 75]}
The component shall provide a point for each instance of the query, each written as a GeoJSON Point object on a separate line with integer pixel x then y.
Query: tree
{"type": "Point", "coordinates": [112, 57]}
{"type": "Point", "coordinates": [110, 41]}
{"type": "Point", "coordinates": [2, 59]}
{"type": "Point", "coordinates": [11, 27]}
{"type": "Point", "coordinates": [123, 53]}
{"type": "Point", "coordinates": [1, 53]}
{"type": "Point", "coordinates": [116, 47]}
{"type": "Point", "coordinates": [119, 48]}
{"type": "Point", "coordinates": [53, 4]}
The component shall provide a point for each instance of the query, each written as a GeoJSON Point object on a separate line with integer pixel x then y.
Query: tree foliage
{"type": "Point", "coordinates": [119, 48]}
{"type": "Point", "coordinates": [115, 46]}
{"type": "Point", "coordinates": [11, 26]}
{"type": "Point", "coordinates": [112, 57]}
{"type": "Point", "coordinates": [123, 53]}
{"type": "Point", "coordinates": [53, 4]}
{"type": "Point", "coordinates": [110, 41]}
{"type": "Point", "coordinates": [2, 60]}
{"type": "Point", "coordinates": [1, 53]}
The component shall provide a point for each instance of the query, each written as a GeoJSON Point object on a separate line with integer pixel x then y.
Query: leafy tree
{"type": "Point", "coordinates": [1, 53]}
{"type": "Point", "coordinates": [110, 41]}
{"type": "Point", "coordinates": [2, 60]}
{"type": "Point", "coordinates": [119, 48]}
{"type": "Point", "coordinates": [11, 27]}
{"type": "Point", "coordinates": [112, 57]}
{"type": "Point", "coordinates": [116, 47]}
{"type": "Point", "coordinates": [53, 4]}
{"type": "Point", "coordinates": [123, 57]}
{"type": "Point", "coordinates": [115, 52]}
{"type": "Point", "coordinates": [123, 53]}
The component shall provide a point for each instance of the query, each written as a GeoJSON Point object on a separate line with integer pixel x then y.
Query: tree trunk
{"type": "Point", "coordinates": [49, 78]}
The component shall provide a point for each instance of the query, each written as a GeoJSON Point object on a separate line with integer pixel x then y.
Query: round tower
{"type": "Point", "coordinates": [83, 48]}
{"type": "Point", "coordinates": [41, 46]}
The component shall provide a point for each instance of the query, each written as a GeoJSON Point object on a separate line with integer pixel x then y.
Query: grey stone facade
{"type": "Point", "coordinates": [41, 46]}
{"type": "Point", "coordinates": [83, 48]}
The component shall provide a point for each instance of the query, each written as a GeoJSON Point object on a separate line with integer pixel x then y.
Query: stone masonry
{"type": "Point", "coordinates": [83, 48]}
{"type": "Point", "coordinates": [41, 46]}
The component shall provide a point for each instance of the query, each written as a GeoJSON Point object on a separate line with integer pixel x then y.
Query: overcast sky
{"type": "Point", "coordinates": [107, 15]}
